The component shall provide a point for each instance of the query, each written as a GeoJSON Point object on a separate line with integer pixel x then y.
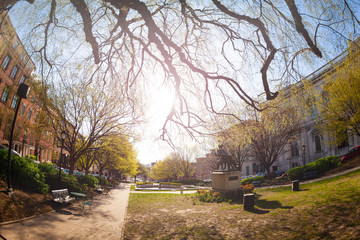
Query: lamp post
{"type": "Point", "coordinates": [303, 149]}
{"type": "Point", "coordinates": [22, 92]}
{"type": "Point", "coordinates": [63, 136]}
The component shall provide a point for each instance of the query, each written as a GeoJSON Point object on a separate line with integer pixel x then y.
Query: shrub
{"type": "Point", "coordinates": [144, 183]}
{"type": "Point", "coordinates": [71, 183]}
{"type": "Point", "coordinates": [333, 161]}
{"type": "Point", "coordinates": [248, 188]}
{"type": "Point", "coordinates": [47, 169]}
{"type": "Point", "coordinates": [89, 180]}
{"type": "Point", "coordinates": [296, 173]}
{"type": "Point", "coordinates": [31, 157]}
{"type": "Point", "coordinates": [259, 179]}
{"type": "Point", "coordinates": [247, 181]}
{"type": "Point", "coordinates": [322, 165]}
{"type": "Point", "coordinates": [103, 181]}
{"type": "Point", "coordinates": [29, 175]}
{"type": "Point", "coordinates": [310, 167]}
{"type": "Point", "coordinates": [206, 195]}
{"type": "Point", "coordinates": [170, 183]}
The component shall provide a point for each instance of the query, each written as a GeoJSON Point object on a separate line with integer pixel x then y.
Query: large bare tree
{"type": "Point", "coordinates": [89, 115]}
{"type": "Point", "coordinates": [213, 49]}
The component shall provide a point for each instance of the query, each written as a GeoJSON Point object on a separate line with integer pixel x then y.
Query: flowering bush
{"type": "Point", "coordinates": [248, 188]}
{"type": "Point", "coordinates": [205, 195]}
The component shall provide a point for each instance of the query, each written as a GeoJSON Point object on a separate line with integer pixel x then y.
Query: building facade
{"type": "Point", "coordinates": [309, 143]}
{"type": "Point", "coordinates": [16, 66]}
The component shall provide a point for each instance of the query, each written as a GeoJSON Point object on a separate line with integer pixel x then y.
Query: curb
{"type": "Point", "coordinates": [27, 218]}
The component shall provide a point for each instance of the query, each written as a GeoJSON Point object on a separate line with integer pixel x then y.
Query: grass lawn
{"type": "Point", "coordinates": [327, 209]}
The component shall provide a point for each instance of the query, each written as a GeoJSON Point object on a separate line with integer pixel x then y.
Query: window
{"type": "Point", "coordinates": [35, 119]}
{"type": "Point", "coordinates": [6, 61]}
{"type": "Point", "coordinates": [14, 101]}
{"type": "Point", "coordinates": [317, 144]}
{"type": "Point", "coordinates": [22, 80]}
{"type": "Point", "coordinates": [294, 148]}
{"type": "Point", "coordinates": [26, 59]}
{"type": "Point", "coordinates": [5, 94]}
{"type": "Point", "coordinates": [23, 110]}
{"type": "Point", "coordinates": [39, 104]}
{"type": "Point", "coordinates": [34, 99]}
{"type": "Point", "coordinates": [13, 72]}
{"type": "Point", "coordinates": [29, 116]}
{"type": "Point", "coordinates": [16, 44]}
{"type": "Point", "coordinates": [29, 65]}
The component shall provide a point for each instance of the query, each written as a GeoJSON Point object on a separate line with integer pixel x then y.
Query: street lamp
{"type": "Point", "coordinates": [22, 92]}
{"type": "Point", "coordinates": [303, 149]}
{"type": "Point", "coordinates": [63, 136]}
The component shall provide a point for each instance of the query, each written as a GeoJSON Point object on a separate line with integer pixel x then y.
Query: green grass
{"type": "Point", "coordinates": [327, 209]}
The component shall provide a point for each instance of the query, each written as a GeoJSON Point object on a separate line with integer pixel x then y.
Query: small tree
{"type": "Point", "coordinates": [339, 103]}
{"type": "Point", "coordinates": [271, 130]}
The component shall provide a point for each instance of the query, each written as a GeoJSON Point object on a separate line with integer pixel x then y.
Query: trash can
{"type": "Point", "coordinates": [249, 200]}
{"type": "Point", "coordinates": [295, 185]}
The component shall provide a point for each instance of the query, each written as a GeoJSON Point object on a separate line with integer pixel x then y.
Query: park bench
{"type": "Point", "coordinates": [310, 175]}
{"type": "Point", "coordinates": [61, 196]}
{"type": "Point", "coordinates": [99, 188]}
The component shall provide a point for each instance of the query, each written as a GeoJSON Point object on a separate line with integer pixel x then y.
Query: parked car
{"type": "Point", "coordinates": [261, 174]}
{"type": "Point", "coordinates": [244, 177]}
{"type": "Point", "coordinates": [13, 152]}
{"type": "Point", "coordinates": [355, 151]}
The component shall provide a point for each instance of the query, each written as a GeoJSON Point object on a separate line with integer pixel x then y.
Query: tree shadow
{"type": "Point", "coordinates": [258, 211]}
{"type": "Point", "coordinates": [265, 204]}
{"type": "Point", "coordinates": [64, 212]}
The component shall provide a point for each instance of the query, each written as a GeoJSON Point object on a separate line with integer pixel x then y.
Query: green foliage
{"type": "Point", "coordinates": [310, 167]}
{"type": "Point", "coordinates": [3, 163]}
{"type": "Point", "coordinates": [29, 175]}
{"type": "Point", "coordinates": [89, 180]}
{"type": "Point", "coordinates": [320, 165]}
{"type": "Point", "coordinates": [71, 183]}
{"type": "Point", "coordinates": [31, 157]}
{"type": "Point", "coordinates": [170, 183]}
{"type": "Point", "coordinates": [206, 195]}
{"type": "Point", "coordinates": [143, 183]}
{"type": "Point", "coordinates": [247, 181]}
{"type": "Point", "coordinates": [47, 169]}
{"type": "Point", "coordinates": [103, 181]}
{"type": "Point", "coordinates": [259, 179]}
{"type": "Point", "coordinates": [296, 173]}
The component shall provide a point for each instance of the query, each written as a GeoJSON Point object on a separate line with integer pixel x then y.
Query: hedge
{"type": "Point", "coordinates": [320, 165]}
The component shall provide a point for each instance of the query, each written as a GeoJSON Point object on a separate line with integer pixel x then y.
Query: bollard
{"type": "Point", "coordinates": [181, 190]}
{"type": "Point", "coordinates": [249, 200]}
{"type": "Point", "coordinates": [295, 185]}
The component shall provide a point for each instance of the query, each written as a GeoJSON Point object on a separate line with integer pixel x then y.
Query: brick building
{"type": "Point", "coordinates": [16, 66]}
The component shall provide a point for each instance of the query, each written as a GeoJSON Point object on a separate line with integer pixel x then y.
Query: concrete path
{"type": "Point", "coordinates": [106, 221]}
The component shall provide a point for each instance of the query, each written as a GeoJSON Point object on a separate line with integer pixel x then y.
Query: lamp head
{"type": "Point", "coordinates": [63, 135]}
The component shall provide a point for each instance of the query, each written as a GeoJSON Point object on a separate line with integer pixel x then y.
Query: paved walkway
{"type": "Point", "coordinates": [106, 221]}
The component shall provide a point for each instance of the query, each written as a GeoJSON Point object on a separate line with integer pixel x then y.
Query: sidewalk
{"type": "Point", "coordinates": [315, 179]}
{"type": "Point", "coordinates": [106, 221]}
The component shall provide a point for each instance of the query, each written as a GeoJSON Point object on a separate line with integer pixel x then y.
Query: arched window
{"type": "Point", "coordinates": [317, 144]}
{"type": "Point", "coordinates": [294, 148]}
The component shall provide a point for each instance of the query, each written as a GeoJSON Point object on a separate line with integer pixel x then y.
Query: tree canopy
{"type": "Point", "coordinates": [213, 50]}
{"type": "Point", "coordinates": [338, 102]}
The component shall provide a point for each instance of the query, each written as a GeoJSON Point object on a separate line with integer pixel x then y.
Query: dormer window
{"type": "Point", "coordinates": [16, 44]}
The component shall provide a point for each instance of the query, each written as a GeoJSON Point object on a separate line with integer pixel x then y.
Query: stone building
{"type": "Point", "coordinates": [308, 143]}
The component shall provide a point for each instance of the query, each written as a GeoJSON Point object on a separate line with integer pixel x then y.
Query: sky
{"type": "Point", "coordinates": [156, 107]}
